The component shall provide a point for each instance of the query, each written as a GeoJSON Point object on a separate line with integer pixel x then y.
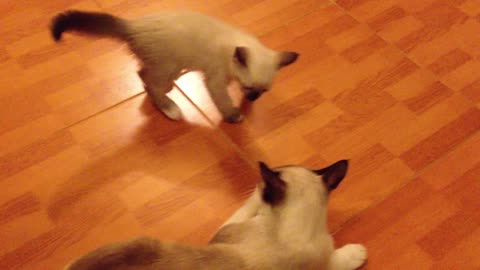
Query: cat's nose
{"type": "Point", "coordinates": [252, 96]}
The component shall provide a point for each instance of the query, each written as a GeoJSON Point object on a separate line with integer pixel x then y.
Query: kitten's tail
{"type": "Point", "coordinates": [143, 251]}
{"type": "Point", "coordinates": [95, 23]}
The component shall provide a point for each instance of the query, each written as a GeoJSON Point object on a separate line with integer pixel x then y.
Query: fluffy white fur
{"type": "Point", "coordinates": [293, 234]}
{"type": "Point", "coordinates": [290, 234]}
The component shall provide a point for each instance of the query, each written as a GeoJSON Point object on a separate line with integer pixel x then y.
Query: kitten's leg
{"type": "Point", "coordinates": [157, 85]}
{"type": "Point", "coordinates": [348, 257]}
{"type": "Point", "coordinates": [167, 106]}
{"type": "Point", "coordinates": [217, 87]}
{"type": "Point", "coordinates": [247, 211]}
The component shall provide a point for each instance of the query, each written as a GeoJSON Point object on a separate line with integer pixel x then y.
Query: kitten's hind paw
{"type": "Point", "coordinates": [169, 108]}
{"type": "Point", "coordinates": [173, 113]}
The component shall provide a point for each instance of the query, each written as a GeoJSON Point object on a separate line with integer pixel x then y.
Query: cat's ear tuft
{"type": "Point", "coordinates": [275, 188]}
{"type": "Point", "coordinates": [287, 58]}
{"type": "Point", "coordinates": [333, 174]}
{"type": "Point", "coordinates": [241, 55]}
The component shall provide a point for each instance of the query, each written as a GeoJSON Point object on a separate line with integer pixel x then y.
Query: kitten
{"type": "Point", "coordinates": [171, 43]}
{"type": "Point", "coordinates": [281, 226]}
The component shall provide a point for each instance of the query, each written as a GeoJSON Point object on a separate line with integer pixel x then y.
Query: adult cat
{"type": "Point", "coordinates": [281, 226]}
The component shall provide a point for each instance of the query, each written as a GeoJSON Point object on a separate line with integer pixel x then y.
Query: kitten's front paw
{"type": "Point", "coordinates": [234, 117]}
{"type": "Point", "coordinates": [353, 255]}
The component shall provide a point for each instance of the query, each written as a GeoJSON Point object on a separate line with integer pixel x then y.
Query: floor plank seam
{"type": "Point", "coordinates": [101, 111]}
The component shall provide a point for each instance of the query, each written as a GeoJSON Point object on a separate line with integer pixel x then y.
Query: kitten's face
{"type": "Point", "coordinates": [255, 70]}
{"type": "Point", "coordinates": [295, 185]}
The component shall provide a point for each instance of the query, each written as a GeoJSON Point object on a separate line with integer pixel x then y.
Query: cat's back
{"type": "Point", "coordinates": [181, 35]}
{"type": "Point", "coordinates": [182, 23]}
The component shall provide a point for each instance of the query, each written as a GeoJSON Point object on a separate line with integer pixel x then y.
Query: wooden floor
{"type": "Point", "coordinates": [392, 85]}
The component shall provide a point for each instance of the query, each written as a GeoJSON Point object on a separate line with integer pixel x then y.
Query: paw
{"type": "Point", "coordinates": [170, 109]}
{"type": "Point", "coordinates": [353, 255]}
{"type": "Point", "coordinates": [234, 117]}
{"type": "Point", "coordinates": [173, 113]}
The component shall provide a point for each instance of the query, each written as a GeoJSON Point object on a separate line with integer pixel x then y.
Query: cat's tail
{"type": "Point", "coordinates": [140, 252]}
{"type": "Point", "coordinates": [95, 23]}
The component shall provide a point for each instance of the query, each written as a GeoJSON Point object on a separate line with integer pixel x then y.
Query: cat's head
{"type": "Point", "coordinates": [299, 187]}
{"type": "Point", "coordinates": [256, 69]}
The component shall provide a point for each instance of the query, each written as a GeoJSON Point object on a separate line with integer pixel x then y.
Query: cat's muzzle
{"type": "Point", "coordinates": [253, 96]}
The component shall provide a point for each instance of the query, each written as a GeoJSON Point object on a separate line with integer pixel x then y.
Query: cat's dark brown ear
{"type": "Point", "coordinates": [241, 55]}
{"type": "Point", "coordinates": [275, 188]}
{"type": "Point", "coordinates": [333, 174]}
{"type": "Point", "coordinates": [287, 58]}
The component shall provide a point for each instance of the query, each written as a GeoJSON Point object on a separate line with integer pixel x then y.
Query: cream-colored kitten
{"type": "Point", "coordinates": [171, 43]}
{"type": "Point", "coordinates": [281, 226]}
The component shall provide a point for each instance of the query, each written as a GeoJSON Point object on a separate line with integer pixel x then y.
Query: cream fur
{"type": "Point", "coordinates": [177, 41]}
{"type": "Point", "coordinates": [290, 235]}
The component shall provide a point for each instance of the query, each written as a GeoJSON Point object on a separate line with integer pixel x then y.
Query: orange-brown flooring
{"type": "Point", "coordinates": [392, 85]}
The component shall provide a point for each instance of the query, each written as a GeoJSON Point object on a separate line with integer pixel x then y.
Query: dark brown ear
{"type": "Point", "coordinates": [287, 58]}
{"type": "Point", "coordinates": [275, 188]}
{"type": "Point", "coordinates": [333, 174]}
{"type": "Point", "coordinates": [241, 55]}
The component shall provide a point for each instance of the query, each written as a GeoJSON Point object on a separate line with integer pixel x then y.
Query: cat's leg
{"type": "Point", "coordinates": [247, 211]}
{"type": "Point", "coordinates": [217, 87]}
{"type": "Point", "coordinates": [157, 85]}
{"type": "Point", "coordinates": [167, 106]}
{"type": "Point", "coordinates": [348, 257]}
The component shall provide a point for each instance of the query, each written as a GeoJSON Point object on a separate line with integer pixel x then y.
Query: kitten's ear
{"type": "Point", "coordinates": [275, 188]}
{"type": "Point", "coordinates": [333, 174]}
{"type": "Point", "coordinates": [287, 58]}
{"type": "Point", "coordinates": [241, 55]}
